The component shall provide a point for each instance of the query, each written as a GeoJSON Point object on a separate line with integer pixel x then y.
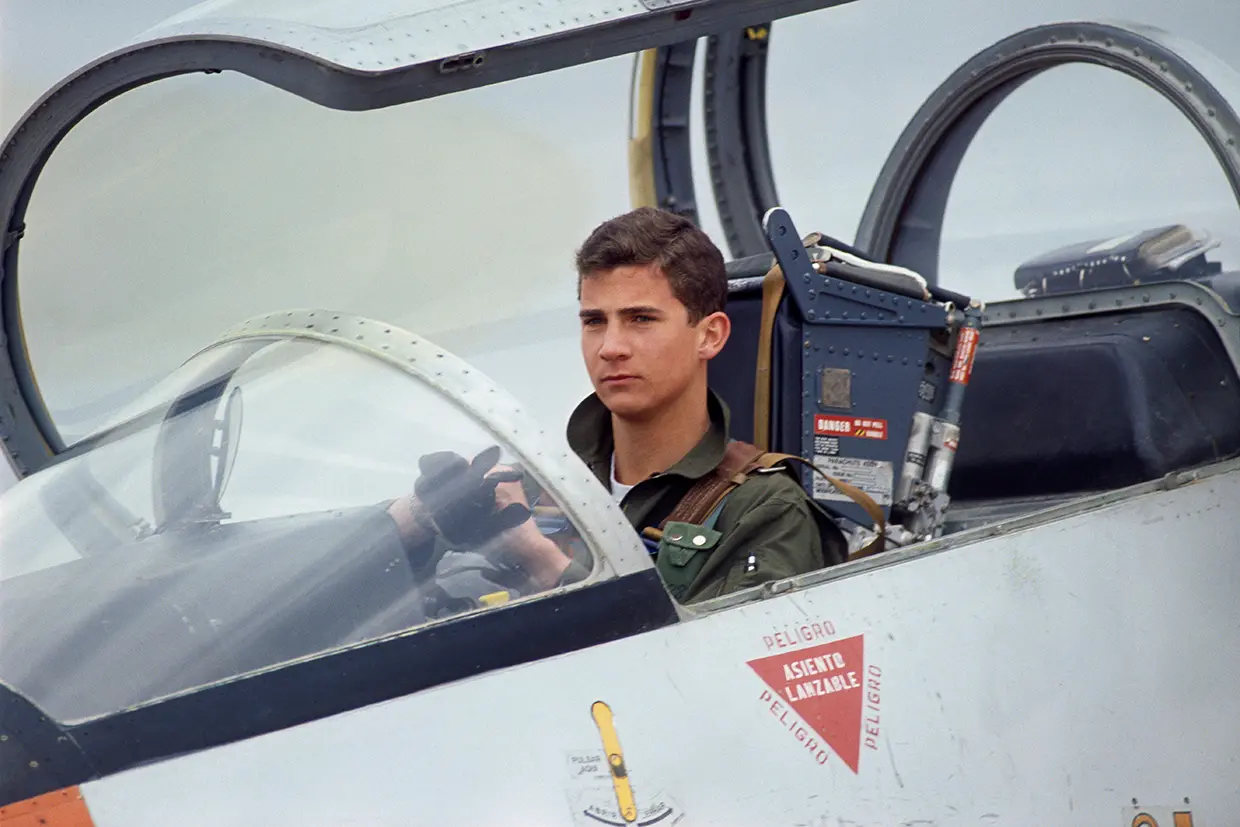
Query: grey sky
{"type": "Point", "coordinates": [183, 207]}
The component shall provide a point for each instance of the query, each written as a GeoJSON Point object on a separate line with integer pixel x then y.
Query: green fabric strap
{"type": "Point", "coordinates": [684, 549]}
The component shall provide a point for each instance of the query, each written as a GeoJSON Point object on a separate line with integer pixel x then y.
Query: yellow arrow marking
{"type": "Point", "coordinates": [615, 760]}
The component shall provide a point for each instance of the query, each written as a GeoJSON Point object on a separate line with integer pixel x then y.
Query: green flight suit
{"type": "Point", "coordinates": [768, 530]}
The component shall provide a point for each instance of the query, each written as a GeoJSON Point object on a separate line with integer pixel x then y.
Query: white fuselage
{"type": "Point", "coordinates": [1054, 672]}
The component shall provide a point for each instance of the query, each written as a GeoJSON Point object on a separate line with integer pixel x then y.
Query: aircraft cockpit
{"type": "Point", "coordinates": [239, 515]}
{"type": "Point", "coordinates": [222, 550]}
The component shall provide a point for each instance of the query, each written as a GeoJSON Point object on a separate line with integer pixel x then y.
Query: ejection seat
{"type": "Point", "coordinates": [1066, 395]}
{"type": "Point", "coordinates": [858, 368]}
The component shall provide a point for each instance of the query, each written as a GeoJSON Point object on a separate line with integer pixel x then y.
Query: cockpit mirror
{"type": "Point", "coordinates": [224, 444]}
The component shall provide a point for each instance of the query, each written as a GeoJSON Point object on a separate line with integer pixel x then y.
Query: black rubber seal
{"type": "Point", "coordinates": [903, 220]}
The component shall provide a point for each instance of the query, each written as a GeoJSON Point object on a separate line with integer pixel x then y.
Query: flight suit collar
{"type": "Point", "coordinates": [590, 437]}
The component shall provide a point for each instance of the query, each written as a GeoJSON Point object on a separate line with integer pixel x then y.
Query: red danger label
{"type": "Point", "coordinates": [850, 426]}
{"type": "Point", "coordinates": [966, 347]}
{"type": "Point", "coordinates": [825, 687]}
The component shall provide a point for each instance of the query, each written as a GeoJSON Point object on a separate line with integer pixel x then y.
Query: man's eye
{"type": "Point", "coordinates": [643, 319]}
{"type": "Point", "coordinates": [589, 322]}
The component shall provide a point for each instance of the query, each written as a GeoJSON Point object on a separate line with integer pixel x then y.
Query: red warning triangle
{"type": "Point", "coordinates": [822, 684]}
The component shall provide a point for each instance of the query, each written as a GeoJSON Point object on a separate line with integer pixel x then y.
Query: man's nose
{"type": "Point", "coordinates": [615, 344]}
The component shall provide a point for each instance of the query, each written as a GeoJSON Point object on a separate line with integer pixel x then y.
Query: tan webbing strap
{"type": "Point", "coordinates": [772, 292]}
{"type": "Point", "coordinates": [858, 496]}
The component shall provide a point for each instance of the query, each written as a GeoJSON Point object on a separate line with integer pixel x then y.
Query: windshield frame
{"type": "Point", "coordinates": [623, 596]}
{"type": "Point", "coordinates": [616, 547]}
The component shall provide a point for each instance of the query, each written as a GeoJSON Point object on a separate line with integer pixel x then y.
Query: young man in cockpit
{"type": "Point", "coordinates": [652, 289]}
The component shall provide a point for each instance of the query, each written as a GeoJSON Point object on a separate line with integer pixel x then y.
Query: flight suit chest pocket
{"type": "Point", "coordinates": [683, 551]}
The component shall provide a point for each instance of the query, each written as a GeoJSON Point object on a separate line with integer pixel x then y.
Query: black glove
{"type": "Point", "coordinates": [459, 497]}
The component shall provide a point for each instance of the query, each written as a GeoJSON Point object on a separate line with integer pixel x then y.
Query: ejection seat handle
{"type": "Point", "coordinates": [942, 294]}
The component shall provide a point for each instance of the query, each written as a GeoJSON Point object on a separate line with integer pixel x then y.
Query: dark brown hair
{"type": "Point", "coordinates": [688, 258]}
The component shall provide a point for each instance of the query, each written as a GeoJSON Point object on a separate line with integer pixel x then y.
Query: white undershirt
{"type": "Point", "coordinates": [618, 490]}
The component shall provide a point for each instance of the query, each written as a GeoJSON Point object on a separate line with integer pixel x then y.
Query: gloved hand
{"type": "Point", "coordinates": [459, 497]}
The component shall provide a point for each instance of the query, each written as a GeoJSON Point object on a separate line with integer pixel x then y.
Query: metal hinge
{"type": "Point", "coordinates": [13, 236]}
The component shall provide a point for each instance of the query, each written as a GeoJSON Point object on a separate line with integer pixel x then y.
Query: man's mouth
{"type": "Point", "coordinates": [618, 377]}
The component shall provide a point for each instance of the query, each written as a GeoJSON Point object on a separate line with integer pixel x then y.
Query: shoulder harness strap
{"type": "Point", "coordinates": [742, 459]}
{"type": "Point", "coordinates": [853, 493]}
{"type": "Point", "coordinates": [772, 294]}
{"type": "Point", "coordinates": [739, 459]}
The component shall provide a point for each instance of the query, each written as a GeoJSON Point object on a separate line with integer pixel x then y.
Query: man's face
{"type": "Point", "coordinates": [639, 348]}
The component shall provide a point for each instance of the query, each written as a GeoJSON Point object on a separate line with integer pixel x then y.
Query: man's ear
{"type": "Point", "coordinates": [713, 333]}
